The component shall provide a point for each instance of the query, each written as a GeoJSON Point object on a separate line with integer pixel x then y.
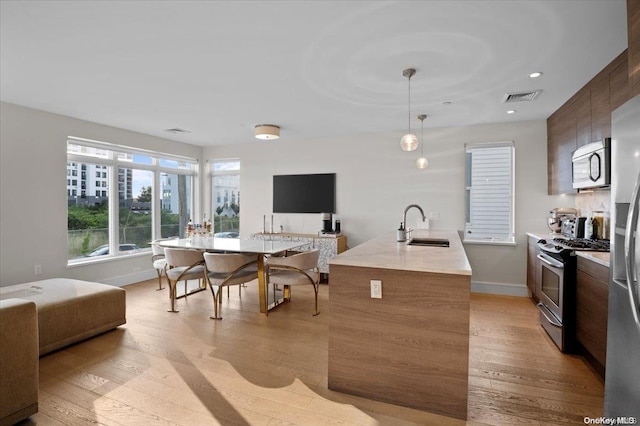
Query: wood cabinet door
{"type": "Point", "coordinates": [619, 90]}
{"type": "Point", "coordinates": [592, 295]}
{"type": "Point", "coordinates": [532, 267]}
{"type": "Point", "coordinates": [633, 27]}
{"type": "Point", "coordinates": [600, 107]}
{"type": "Point", "coordinates": [561, 142]}
{"type": "Point", "coordinates": [583, 117]}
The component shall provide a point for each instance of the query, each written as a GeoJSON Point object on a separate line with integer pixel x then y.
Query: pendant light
{"type": "Point", "coordinates": [409, 142]}
{"type": "Point", "coordinates": [422, 162]}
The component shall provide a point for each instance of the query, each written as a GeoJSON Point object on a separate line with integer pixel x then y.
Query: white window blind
{"type": "Point", "coordinates": [489, 193]}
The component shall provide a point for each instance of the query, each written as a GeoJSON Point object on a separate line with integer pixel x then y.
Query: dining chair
{"type": "Point", "coordinates": [225, 270]}
{"type": "Point", "coordinates": [159, 261]}
{"type": "Point", "coordinates": [182, 264]}
{"type": "Point", "coordinates": [298, 269]}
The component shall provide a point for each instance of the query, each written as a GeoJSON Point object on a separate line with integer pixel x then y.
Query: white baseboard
{"type": "Point", "coordinates": [135, 277]}
{"type": "Point", "coordinates": [499, 288]}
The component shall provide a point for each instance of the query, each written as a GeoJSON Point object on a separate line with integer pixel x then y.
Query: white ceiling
{"type": "Point", "coordinates": [316, 68]}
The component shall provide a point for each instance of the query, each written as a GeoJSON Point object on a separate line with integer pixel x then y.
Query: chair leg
{"type": "Point", "coordinates": [315, 289]}
{"type": "Point", "coordinates": [172, 295]}
{"type": "Point", "coordinates": [159, 271]}
{"type": "Point", "coordinates": [216, 297]}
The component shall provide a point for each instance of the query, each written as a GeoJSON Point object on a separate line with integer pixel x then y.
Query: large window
{"type": "Point", "coordinates": [123, 200]}
{"type": "Point", "coordinates": [489, 193]}
{"type": "Point", "coordinates": [225, 176]}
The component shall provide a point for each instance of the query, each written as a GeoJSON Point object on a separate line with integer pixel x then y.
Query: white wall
{"type": "Point", "coordinates": [33, 209]}
{"type": "Point", "coordinates": [376, 181]}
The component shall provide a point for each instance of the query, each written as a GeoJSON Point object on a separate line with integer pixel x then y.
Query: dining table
{"type": "Point", "coordinates": [260, 248]}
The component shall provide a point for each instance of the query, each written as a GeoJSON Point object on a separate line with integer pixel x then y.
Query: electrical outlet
{"type": "Point", "coordinates": [37, 269]}
{"type": "Point", "coordinates": [434, 215]}
{"type": "Point", "coordinates": [376, 289]}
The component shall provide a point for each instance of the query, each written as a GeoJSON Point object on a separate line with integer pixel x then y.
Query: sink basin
{"type": "Point", "coordinates": [429, 242]}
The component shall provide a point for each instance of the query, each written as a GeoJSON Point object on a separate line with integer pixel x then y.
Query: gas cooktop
{"type": "Point", "coordinates": [582, 244]}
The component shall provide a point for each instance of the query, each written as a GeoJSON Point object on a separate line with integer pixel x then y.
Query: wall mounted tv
{"type": "Point", "coordinates": [314, 193]}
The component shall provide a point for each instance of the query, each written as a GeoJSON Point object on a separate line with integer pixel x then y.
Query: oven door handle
{"type": "Point", "coordinates": [552, 320]}
{"type": "Point", "coordinates": [550, 261]}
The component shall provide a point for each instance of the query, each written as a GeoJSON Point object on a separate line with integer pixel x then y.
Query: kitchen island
{"type": "Point", "coordinates": [410, 347]}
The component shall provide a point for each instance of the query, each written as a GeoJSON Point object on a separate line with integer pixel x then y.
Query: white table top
{"type": "Point", "coordinates": [236, 245]}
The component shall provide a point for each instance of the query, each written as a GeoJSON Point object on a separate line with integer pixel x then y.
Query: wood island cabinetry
{"type": "Point", "coordinates": [411, 346]}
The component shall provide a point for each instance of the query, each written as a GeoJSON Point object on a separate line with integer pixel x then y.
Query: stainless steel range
{"type": "Point", "coordinates": [557, 297]}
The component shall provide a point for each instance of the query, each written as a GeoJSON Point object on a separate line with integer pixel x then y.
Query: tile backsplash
{"type": "Point", "coordinates": [588, 202]}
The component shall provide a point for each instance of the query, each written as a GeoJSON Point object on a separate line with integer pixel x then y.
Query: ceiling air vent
{"type": "Point", "coordinates": [521, 96]}
{"type": "Point", "coordinates": [177, 130]}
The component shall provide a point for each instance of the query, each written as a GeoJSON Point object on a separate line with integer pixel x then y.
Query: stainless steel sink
{"type": "Point", "coordinates": [429, 242]}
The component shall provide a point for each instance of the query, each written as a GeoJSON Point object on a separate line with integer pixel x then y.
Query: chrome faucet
{"type": "Point", "coordinates": [402, 236]}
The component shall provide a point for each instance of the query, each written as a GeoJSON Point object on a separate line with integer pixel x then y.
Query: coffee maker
{"type": "Point", "coordinates": [327, 223]}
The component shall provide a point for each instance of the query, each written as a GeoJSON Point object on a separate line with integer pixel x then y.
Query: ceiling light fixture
{"type": "Point", "coordinates": [511, 111]}
{"type": "Point", "coordinates": [409, 142]}
{"type": "Point", "coordinates": [535, 74]}
{"type": "Point", "coordinates": [267, 131]}
{"type": "Point", "coordinates": [422, 162]}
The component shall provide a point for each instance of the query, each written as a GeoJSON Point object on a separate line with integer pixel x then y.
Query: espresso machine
{"type": "Point", "coordinates": [327, 223]}
{"type": "Point", "coordinates": [557, 215]}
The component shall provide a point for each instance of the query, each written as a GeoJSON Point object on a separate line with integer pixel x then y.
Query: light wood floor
{"type": "Point", "coordinates": [250, 369]}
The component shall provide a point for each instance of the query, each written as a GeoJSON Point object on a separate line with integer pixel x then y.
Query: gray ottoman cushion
{"type": "Point", "coordinates": [73, 310]}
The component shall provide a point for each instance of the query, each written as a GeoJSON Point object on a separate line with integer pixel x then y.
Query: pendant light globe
{"type": "Point", "coordinates": [409, 142]}
{"type": "Point", "coordinates": [422, 163]}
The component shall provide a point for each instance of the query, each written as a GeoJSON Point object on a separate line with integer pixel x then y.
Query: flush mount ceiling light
{"type": "Point", "coordinates": [409, 142]}
{"type": "Point", "coordinates": [511, 111]}
{"type": "Point", "coordinates": [535, 74]}
{"type": "Point", "coordinates": [422, 162]}
{"type": "Point", "coordinates": [267, 131]}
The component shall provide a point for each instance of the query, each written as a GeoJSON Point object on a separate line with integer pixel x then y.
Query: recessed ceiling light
{"type": "Point", "coordinates": [511, 111]}
{"type": "Point", "coordinates": [535, 74]}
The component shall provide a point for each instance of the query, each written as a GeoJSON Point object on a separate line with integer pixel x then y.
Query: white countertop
{"type": "Point", "coordinates": [386, 253]}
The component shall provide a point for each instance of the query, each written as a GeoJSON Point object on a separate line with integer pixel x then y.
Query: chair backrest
{"type": "Point", "coordinates": [227, 263]}
{"type": "Point", "coordinates": [157, 249]}
{"type": "Point", "coordinates": [304, 260]}
{"type": "Point", "coordinates": [182, 257]}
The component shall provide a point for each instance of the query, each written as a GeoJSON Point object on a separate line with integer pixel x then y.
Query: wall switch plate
{"type": "Point", "coordinates": [376, 289]}
{"type": "Point", "coordinates": [37, 269]}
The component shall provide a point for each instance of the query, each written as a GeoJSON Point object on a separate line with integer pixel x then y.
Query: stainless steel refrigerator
{"type": "Point", "coordinates": [622, 380]}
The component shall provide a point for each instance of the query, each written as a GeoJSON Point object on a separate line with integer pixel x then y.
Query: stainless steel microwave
{"type": "Point", "coordinates": [591, 165]}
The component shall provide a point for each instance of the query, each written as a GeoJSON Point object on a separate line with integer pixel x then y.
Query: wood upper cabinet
{"type": "Point", "coordinates": [633, 27]}
{"type": "Point", "coordinates": [561, 142]}
{"type": "Point", "coordinates": [619, 89]}
{"type": "Point", "coordinates": [583, 119]}
{"type": "Point", "coordinates": [592, 296]}
{"type": "Point", "coordinates": [600, 107]}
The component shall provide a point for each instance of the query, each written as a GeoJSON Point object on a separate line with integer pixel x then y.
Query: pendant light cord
{"type": "Point", "coordinates": [409, 103]}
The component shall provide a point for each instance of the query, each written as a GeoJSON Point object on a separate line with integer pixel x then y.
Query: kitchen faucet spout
{"type": "Point", "coordinates": [402, 232]}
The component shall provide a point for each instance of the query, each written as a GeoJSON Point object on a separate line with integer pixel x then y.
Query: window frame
{"type": "Point", "coordinates": [510, 240]}
{"type": "Point", "coordinates": [114, 159]}
{"type": "Point", "coordinates": [213, 173]}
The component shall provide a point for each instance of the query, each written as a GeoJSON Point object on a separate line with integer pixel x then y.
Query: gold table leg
{"type": "Point", "coordinates": [262, 285]}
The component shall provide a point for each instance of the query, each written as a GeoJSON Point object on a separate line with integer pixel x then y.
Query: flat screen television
{"type": "Point", "coordinates": [314, 193]}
